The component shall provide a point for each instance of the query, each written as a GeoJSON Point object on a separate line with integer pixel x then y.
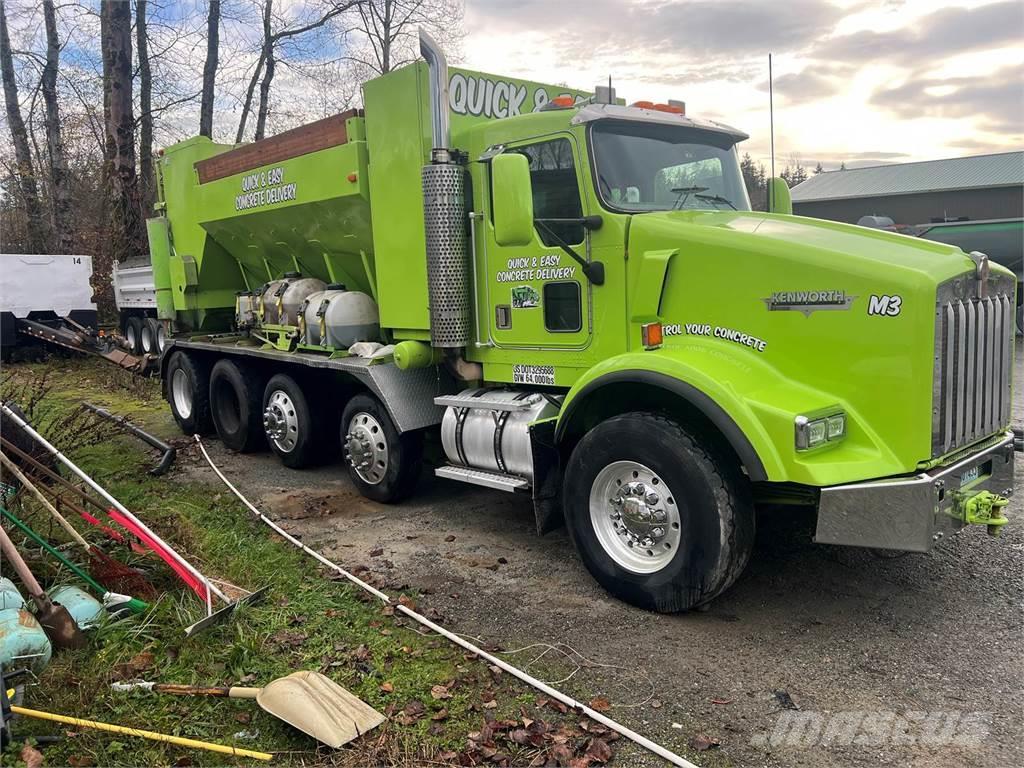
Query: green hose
{"type": "Point", "coordinates": [134, 604]}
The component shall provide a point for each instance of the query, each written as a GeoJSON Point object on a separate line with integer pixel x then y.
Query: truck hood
{"type": "Point", "coordinates": [818, 314]}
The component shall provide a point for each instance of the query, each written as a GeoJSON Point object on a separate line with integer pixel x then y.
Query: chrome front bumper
{"type": "Point", "coordinates": [912, 514]}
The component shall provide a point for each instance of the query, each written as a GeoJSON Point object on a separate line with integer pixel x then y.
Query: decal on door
{"type": "Point", "coordinates": [525, 297]}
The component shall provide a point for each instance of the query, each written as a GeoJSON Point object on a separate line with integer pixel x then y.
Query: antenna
{"type": "Point", "coordinates": [771, 129]}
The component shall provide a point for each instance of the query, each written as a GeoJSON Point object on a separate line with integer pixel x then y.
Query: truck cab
{"type": "Point", "coordinates": [576, 295]}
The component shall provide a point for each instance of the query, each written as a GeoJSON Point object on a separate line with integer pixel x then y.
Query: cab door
{"type": "Point", "coordinates": [538, 297]}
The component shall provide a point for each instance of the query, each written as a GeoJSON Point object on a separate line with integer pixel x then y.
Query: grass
{"type": "Point", "coordinates": [307, 622]}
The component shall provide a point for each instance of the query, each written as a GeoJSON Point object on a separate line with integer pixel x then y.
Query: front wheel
{"type": "Point", "coordinates": [660, 520]}
{"type": "Point", "coordinates": [383, 464]}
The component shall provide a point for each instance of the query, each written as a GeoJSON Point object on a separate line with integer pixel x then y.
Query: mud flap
{"type": "Point", "coordinates": [547, 476]}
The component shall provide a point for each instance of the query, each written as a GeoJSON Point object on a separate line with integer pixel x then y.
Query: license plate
{"type": "Point", "coordinates": [970, 476]}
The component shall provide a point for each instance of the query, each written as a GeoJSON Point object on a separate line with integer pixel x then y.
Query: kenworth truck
{"type": "Point", "coordinates": [575, 297]}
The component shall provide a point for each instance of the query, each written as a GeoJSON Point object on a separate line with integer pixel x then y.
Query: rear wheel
{"type": "Point", "coordinates": [291, 431]}
{"type": "Point", "coordinates": [161, 337]}
{"type": "Point", "coordinates": [236, 400]}
{"type": "Point", "coordinates": [660, 520]}
{"type": "Point", "coordinates": [148, 339]}
{"type": "Point", "coordinates": [133, 334]}
{"type": "Point", "coordinates": [383, 464]}
{"type": "Point", "coordinates": [188, 392]}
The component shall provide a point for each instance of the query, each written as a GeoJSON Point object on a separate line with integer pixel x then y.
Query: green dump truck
{"type": "Point", "coordinates": [570, 298]}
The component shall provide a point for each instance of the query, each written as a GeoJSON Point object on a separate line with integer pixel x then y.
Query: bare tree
{"type": "Point", "coordinates": [145, 106]}
{"type": "Point", "coordinates": [19, 136]}
{"type": "Point", "coordinates": [265, 66]}
{"type": "Point", "coordinates": [390, 28]}
{"type": "Point", "coordinates": [126, 236]}
{"type": "Point", "coordinates": [210, 69]}
{"type": "Point", "coordinates": [59, 183]}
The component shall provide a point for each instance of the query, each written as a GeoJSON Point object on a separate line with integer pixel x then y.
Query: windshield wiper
{"type": "Point", "coordinates": [717, 199]}
{"type": "Point", "coordinates": [684, 193]}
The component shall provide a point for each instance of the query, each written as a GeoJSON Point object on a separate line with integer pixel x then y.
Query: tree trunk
{"type": "Point", "coordinates": [59, 181]}
{"type": "Point", "coordinates": [268, 72]}
{"type": "Point", "coordinates": [146, 109]}
{"type": "Point", "coordinates": [210, 69]}
{"type": "Point", "coordinates": [247, 106]}
{"type": "Point", "coordinates": [35, 242]}
{"type": "Point", "coordinates": [126, 237]}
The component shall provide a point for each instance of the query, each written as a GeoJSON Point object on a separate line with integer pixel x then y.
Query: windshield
{"type": "Point", "coordinates": [657, 167]}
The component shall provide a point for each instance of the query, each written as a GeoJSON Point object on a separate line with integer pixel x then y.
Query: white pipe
{"type": "Point", "coordinates": [544, 688]}
{"type": "Point", "coordinates": [113, 502]}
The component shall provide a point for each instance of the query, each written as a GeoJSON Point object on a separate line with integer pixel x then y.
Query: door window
{"type": "Point", "coordinates": [556, 193]}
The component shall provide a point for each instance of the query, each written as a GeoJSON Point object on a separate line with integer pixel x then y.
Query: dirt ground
{"type": "Point", "coordinates": [839, 630]}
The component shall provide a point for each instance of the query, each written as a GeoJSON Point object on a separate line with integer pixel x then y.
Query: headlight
{"type": "Point", "coordinates": [818, 429]}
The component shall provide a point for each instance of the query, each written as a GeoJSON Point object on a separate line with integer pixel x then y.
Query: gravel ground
{"type": "Point", "coordinates": [839, 630]}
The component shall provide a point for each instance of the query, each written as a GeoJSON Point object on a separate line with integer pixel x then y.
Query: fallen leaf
{"type": "Point", "coordinates": [81, 761]}
{"type": "Point", "coordinates": [362, 653]}
{"type": "Point", "coordinates": [657, 704]}
{"type": "Point", "coordinates": [702, 742]}
{"type": "Point", "coordinates": [440, 692]}
{"type": "Point", "coordinates": [387, 687]}
{"type": "Point", "coordinates": [599, 751]}
{"type": "Point", "coordinates": [449, 538]}
{"type": "Point", "coordinates": [786, 700]}
{"type": "Point", "coordinates": [600, 704]}
{"type": "Point", "coordinates": [441, 714]}
{"type": "Point", "coordinates": [243, 717]}
{"type": "Point", "coordinates": [403, 600]}
{"type": "Point", "coordinates": [436, 729]}
{"type": "Point", "coordinates": [562, 753]}
{"type": "Point", "coordinates": [721, 701]}
{"type": "Point", "coordinates": [492, 704]}
{"type": "Point", "coordinates": [31, 756]}
{"type": "Point", "coordinates": [377, 552]}
{"type": "Point", "coordinates": [580, 762]}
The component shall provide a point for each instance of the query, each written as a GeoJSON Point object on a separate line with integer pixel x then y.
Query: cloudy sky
{"type": "Point", "coordinates": [860, 82]}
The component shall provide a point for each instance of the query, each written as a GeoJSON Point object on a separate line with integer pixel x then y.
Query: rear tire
{"type": "Point", "coordinates": [188, 392]}
{"type": "Point", "coordinates": [292, 432]}
{"type": "Point", "coordinates": [148, 339]}
{"type": "Point", "coordinates": [383, 464]}
{"type": "Point", "coordinates": [133, 334]}
{"type": "Point", "coordinates": [236, 404]}
{"type": "Point", "coordinates": [661, 520]}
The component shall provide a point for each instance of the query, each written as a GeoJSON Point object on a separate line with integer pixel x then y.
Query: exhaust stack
{"type": "Point", "coordinates": [444, 217]}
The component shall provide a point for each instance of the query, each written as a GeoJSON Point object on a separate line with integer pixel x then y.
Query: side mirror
{"type": "Point", "coordinates": [512, 198]}
{"type": "Point", "coordinates": [779, 199]}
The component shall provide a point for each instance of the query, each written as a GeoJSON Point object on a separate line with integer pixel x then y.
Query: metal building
{"type": "Point", "coordinates": [955, 189]}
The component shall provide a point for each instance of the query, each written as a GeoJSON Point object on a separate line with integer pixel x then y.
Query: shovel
{"type": "Point", "coordinates": [308, 701]}
{"type": "Point", "coordinates": [54, 618]}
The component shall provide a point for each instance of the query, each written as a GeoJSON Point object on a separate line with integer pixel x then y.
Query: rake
{"type": "Point", "coordinates": [106, 569]}
{"type": "Point", "coordinates": [110, 599]}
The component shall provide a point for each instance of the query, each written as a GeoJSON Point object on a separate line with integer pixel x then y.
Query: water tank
{"type": "Point", "coordinates": [339, 318]}
{"type": "Point", "coordinates": [282, 298]}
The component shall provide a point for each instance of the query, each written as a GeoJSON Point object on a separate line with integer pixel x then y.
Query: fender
{"type": "Point", "coordinates": [668, 370]}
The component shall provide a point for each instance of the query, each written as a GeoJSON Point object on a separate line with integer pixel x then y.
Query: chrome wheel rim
{"type": "Point", "coordinates": [280, 421]}
{"type": "Point", "coordinates": [181, 392]}
{"type": "Point", "coordinates": [635, 517]}
{"type": "Point", "coordinates": [366, 448]}
{"type": "Point", "coordinates": [161, 339]}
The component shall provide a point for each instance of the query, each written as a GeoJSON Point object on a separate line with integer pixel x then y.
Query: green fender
{"type": "Point", "coordinates": [750, 403]}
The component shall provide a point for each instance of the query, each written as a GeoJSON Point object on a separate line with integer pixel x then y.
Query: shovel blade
{"type": "Point", "coordinates": [59, 626]}
{"type": "Point", "coordinates": [319, 707]}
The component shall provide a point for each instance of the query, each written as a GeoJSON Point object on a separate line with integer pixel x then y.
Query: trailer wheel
{"type": "Point", "coordinates": [188, 392]}
{"type": "Point", "coordinates": [133, 334]}
{"type": "Point", "coordinates": [148, 338]}
{"type": "Point", "coordinates": [291, 431]}
{"type": "Point", "coordinates": [236, 404]}
{"type": "Point", "coordinates": [161, 337]}
{"type": "Point", "coordinates": [383, 464]}
{"type": "Point", "coordinates": [660, 520]}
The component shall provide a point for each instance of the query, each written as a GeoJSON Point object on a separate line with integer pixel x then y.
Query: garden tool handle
{"type": "Point", "coordinates": [10, 465]}
{"type": "Point", "coordinates": [11, 553]}
{"type": "Point", "coordinates": [232, 692]}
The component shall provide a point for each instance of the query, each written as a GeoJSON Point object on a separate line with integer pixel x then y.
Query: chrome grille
{"type": "Point", "coordinates": [973, 362]}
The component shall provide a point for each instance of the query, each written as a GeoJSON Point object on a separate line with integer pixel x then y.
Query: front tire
{"type": "Point", "coordinates": [188, 392]}
{"type": "Point", "coordinates": [290, 428]}
{"type": "Point", "coordinates": [236, 404]}
{"type": "Point", "coordinates": [383, 464]}
{"type": "Point", "coordinates": [661, 520]}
